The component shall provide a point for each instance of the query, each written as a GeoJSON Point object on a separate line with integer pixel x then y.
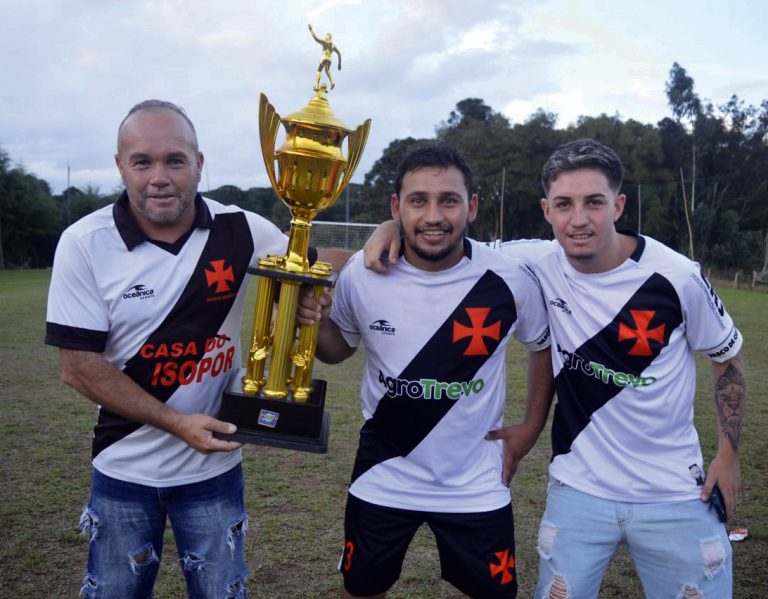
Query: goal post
{"type": "Point", "coordinates": [351, 236]}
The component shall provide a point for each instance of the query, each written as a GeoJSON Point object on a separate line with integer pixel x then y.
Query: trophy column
{"type": "Point", "coordinates": [277, 402]}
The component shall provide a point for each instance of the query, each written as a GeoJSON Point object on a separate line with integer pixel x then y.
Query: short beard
{"type": "Point", "coordinates": [438, 255]}
{"type": "Point", "coordinates": [580, 257]}
{"type": "Point", "coordinates": [164, 219]}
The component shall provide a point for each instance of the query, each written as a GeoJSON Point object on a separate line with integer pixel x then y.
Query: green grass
{"type": "Point", "coordinates": [295, 500]}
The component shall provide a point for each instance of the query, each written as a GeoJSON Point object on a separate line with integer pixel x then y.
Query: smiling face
{"type": "Point", "coordinates": [433, 212]}
{"type": "Point", "coordinates": [582, 209]}
{"type": "Point", "coordinates": [160, 166]}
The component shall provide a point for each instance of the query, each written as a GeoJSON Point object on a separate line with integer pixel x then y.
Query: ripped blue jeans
{"type": "Point", "coordinates": [125, 523]}
{"type": "Point", "coordinates": [680, 549]}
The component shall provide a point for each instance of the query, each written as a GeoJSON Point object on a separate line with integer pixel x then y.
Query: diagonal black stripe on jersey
{"type": "Point", "coordinates": [613, 359]}
{"type": "Point", "coordinates": [197, 316]}
{"type": "Point", "coordinates": [402, 420]}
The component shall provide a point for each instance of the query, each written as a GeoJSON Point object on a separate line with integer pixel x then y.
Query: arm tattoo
{"type": "Point", "coordinates": [730, 393]}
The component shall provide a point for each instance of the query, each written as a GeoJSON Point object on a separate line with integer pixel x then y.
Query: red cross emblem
{"type": "Point", "coordinates": [506, 563]}
{"type": "Point", "coordinates": [477, 331]}
{"type": "Point", "coordinates": [642, 334]}
{"type": "Point", "coordinates": [219, 276]}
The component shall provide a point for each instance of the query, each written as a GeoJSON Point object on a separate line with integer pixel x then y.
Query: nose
{"type": "Point", "coordinates": [158, 176]}
{"type": "Point", "coordinates": [432, 213]}
{"type": "Point", "coordinates": [579, 217]}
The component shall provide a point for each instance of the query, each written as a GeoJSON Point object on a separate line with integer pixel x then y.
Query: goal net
{"type": "Point", "coordinates": [762, 276]}
{"type": "Point", "coordinates": [352, 236]}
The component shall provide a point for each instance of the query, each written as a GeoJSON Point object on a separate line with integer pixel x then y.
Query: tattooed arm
{"type": "Point", "coordinates": [730, 392]}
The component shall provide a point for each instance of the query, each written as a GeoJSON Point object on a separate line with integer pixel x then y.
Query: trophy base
{"type": "Point", "coordinates": [277, 423]}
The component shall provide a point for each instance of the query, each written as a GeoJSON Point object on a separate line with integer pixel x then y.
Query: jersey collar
{"type": "Point", "coordinates": [640, 248]}
{"type": "Point", "coordinates": [132, 234]}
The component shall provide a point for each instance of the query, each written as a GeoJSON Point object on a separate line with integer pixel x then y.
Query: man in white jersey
{"type": "Point", "coordinates": [145, 305]}
{"type": "Point", "coordinates": [627, 316]}
{"type": "Point", "coordinates": [433, 388]}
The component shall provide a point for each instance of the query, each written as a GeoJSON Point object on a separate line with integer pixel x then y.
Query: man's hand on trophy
{"type": "Point", "coordinates": [196, 430]}
{"type": "Point", "coordinates": [382, 247]}
{"type": "Point", "coordinates": [310, 310]}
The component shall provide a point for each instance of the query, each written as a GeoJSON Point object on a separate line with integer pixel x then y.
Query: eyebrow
{"type": "Point", "coordinates": [591, 196]}
{"type": "Point", "coordinates": [171, 155]}
{"type": "Point", "coordinates": [440, 195]}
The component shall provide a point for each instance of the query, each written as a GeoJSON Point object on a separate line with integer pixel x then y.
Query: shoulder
{"type": "Point", "coordinates": [355, 267]}
{"type": "Point", "coordinates": [662, 259]}
{"type": "Point", "coordinates": [510, 257]}
{"type": "Point", "coordinates": [686, 276]}
{"type": "Point", "coordinates": [255, 221]}
{"type": "Point", "coordinates": [527, 250]}
{"type": "Point", "coordinates": [97, 221]}
{"type": "Point", "coordinates": [89, 237]}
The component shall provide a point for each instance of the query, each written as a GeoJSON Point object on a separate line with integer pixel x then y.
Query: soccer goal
{"type": "Point", "coordinates": [340, 235]}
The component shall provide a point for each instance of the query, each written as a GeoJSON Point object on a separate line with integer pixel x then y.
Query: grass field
{"type": "Point", "coordinates": [295, 500]}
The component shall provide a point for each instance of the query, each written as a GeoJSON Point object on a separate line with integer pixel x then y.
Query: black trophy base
{"type": "Point", "coordinates": [277, 423]}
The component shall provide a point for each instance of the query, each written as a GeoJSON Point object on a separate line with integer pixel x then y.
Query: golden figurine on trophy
{"type": "Point", "coordinates": [282, 405]}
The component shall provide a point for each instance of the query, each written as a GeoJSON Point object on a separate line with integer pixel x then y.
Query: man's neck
{"type": "Point", "coordinates": [610, 257]}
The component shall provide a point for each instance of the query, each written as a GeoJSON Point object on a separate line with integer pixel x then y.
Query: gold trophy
{"type": "Point", "coordinates": [285, 407]}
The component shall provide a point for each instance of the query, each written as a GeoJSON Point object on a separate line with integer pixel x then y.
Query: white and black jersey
{"type": "Point", "coordinates": [433, 382]}
{"type": "Point", "coordinates": [623, 345]}
{"type": "Point", "coordinates": [166, 315]}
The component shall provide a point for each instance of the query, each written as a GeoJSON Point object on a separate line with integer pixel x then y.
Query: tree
{"type": "Point", "coordinates": [29, 218]}
{"type": "Point", "coordinates": [469, 109]}
{"type": "Point", "coordinates": [682, 99]}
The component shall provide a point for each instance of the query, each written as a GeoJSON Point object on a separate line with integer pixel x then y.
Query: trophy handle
{"type": "Point", "coordinates": [269, 123]}
{"type": "Point", "coordinates": [356, 141]}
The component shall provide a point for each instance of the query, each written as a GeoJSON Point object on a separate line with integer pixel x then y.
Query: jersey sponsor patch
{"type": "Point", "coordinates": [382, 326]}
{"type": "Point", "coordinates": [430, 388]}
{"type": "Point", "coordinates": [140, 292]}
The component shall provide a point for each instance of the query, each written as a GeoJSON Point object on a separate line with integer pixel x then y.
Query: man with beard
{"type": "Point", "coordinates": [433, 388]}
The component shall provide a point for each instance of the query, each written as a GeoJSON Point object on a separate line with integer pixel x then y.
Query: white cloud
{"type": "Point", "coordinates": [233, 38]}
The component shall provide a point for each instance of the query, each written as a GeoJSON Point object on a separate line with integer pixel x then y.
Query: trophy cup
{"type": "Point", "coordinates": [282, 405]}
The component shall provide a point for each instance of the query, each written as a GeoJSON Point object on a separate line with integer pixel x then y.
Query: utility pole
{"type": "Point", "coordinates": [639, 208]}
{"type": "Point", "coordinates": [693, 180]}
{"type": "Point", "coordinates": [346, 220]}
{"type": "Point", "coordinates": [501, 202]}
{"type": "Point", "coordinates": [69, 215]}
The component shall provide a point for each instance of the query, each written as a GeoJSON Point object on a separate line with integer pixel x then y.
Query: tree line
{"type": "Point", "coordinates": [697, 180]}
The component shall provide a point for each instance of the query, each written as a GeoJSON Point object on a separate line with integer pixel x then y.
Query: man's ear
{"type": "Point", "coordinates": [394, 206]}
{"type": "Point", "coordinates": [545, 209]}
{"type": "Point", "coordinates": [474, 202]}
{"type": "Point", "coordinates": [621, 201]}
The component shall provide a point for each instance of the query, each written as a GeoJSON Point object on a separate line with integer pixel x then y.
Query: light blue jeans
{"type": "Point", "coordinates": [680, 549]}
{"type": "Point", "coordinates": [126, 521]}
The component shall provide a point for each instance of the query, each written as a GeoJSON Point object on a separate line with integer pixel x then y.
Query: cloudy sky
{"type": "Point", "coordinates": [71, 69]}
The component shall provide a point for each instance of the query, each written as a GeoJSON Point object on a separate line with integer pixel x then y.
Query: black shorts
{"type": "Point", "coordinates": [477, 550]}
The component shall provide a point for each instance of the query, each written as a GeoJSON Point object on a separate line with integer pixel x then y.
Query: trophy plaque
{"type": "Point", "coordinates": [279, 403]}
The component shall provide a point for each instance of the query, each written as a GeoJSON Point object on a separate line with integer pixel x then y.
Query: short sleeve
{"type": "Point", "coordinates": [709, 328]}
{"type": "Point", "coordinates": [533, 322]}
{"type": "Point", "coordinates": [342, 310]}
{"type": "Point", "coordinates": [268, 240]}
{"type": "Point", "coordinates": [77, 316]}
